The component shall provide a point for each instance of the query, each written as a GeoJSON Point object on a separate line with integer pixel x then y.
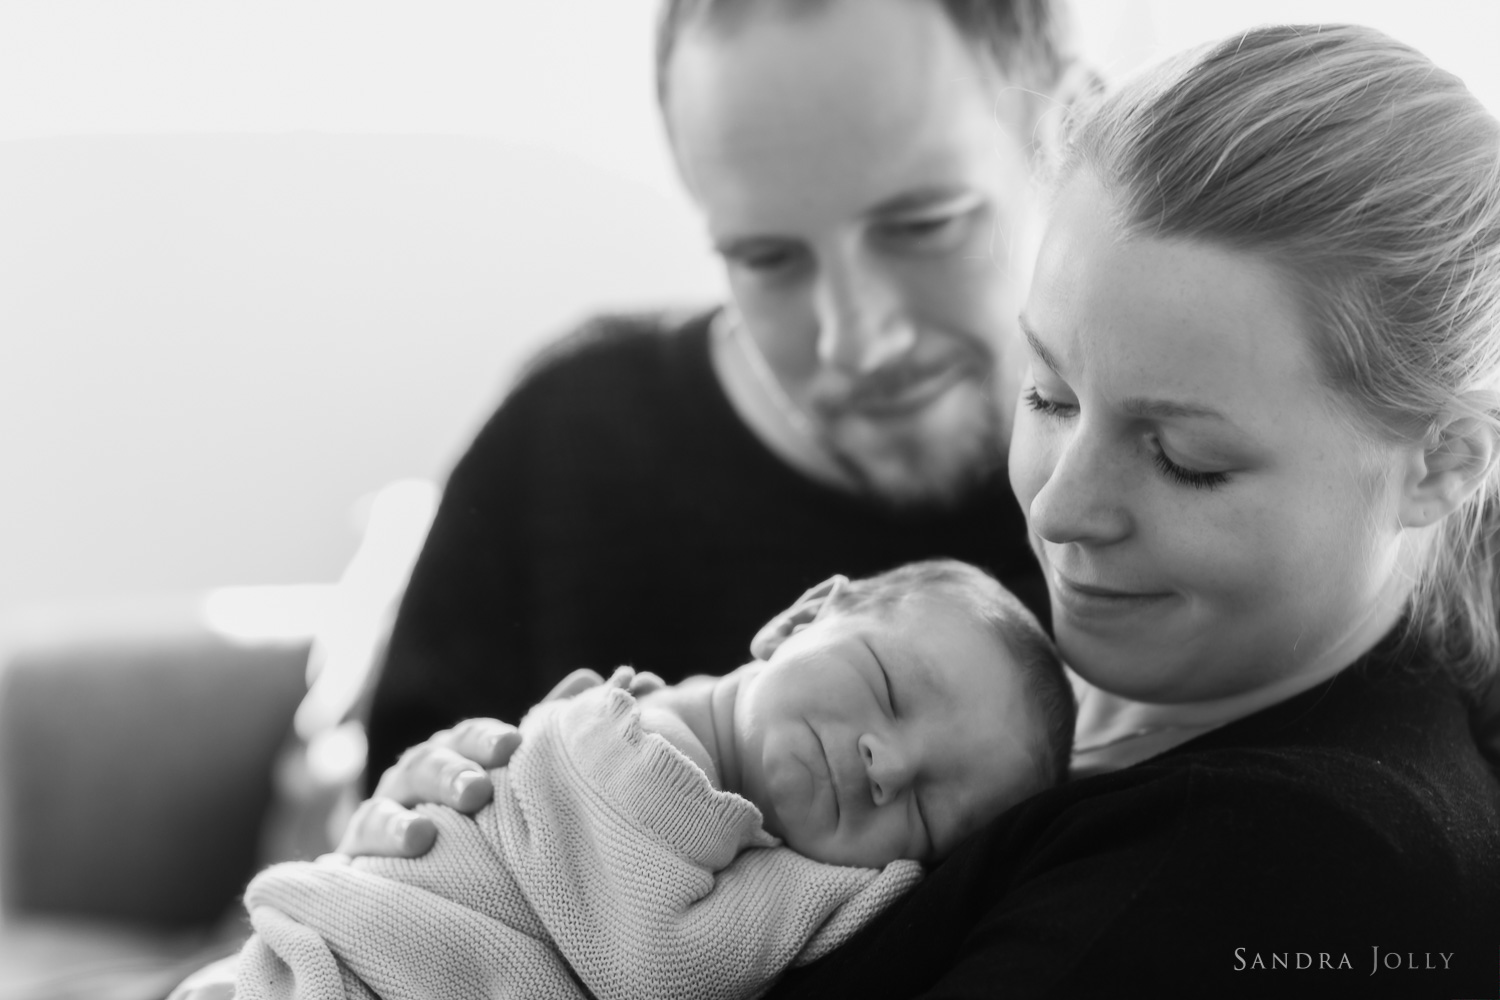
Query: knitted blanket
{"type": "Point", "coordinates": [606, 866]}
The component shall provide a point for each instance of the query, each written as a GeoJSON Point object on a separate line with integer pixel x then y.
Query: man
{"type": "Point", "coordinates": [652, 487]}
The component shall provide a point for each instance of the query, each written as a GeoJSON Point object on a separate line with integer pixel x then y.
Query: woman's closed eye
{"type": "Point", "coordinates": [1183, 475]}
{"type": "Point", "coordinates": [1048, 407]}
{"type": "Point", "coordinates": [1175, 472]}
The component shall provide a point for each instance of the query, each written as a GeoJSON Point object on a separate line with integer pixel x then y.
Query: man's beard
{"type": "Point", "coordinates": [922, 465]}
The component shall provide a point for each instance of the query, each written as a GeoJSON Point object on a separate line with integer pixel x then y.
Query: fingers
{"type": "Point", "coordinates": [486, 742]}
{"type": "Point", "coordinates": [579, 680]}
{"type": "Point", "coordinates": [448, 769]}
{"type": "Point", "coordinates": [432, 772]}
{"type": "Point", "coordinates": [645, 682]}
{"type": "Point", "coordinates": [384, 828]}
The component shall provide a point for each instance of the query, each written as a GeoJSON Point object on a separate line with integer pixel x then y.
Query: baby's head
{"type": "Point", "coordinates": [890, 717]}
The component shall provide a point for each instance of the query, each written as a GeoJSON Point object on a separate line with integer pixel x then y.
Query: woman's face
{"type": "Point", "coordinates": [1209, 520]}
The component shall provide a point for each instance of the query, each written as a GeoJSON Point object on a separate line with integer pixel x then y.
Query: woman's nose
{"type": "Point", "coordinates": [888, 765]}
{"type": "Point", "coordinates": [1083, 496]}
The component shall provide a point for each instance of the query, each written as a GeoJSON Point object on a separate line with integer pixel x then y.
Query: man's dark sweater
{"type": "Point", "coordinates": [616, 510]}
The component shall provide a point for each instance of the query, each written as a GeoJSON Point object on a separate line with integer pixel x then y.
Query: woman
{"type": "Point", "coordinates": [1256, 451]}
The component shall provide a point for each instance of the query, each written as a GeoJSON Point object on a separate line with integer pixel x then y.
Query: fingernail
{"type": "Point", "coordinates": [463, 781]}
{"type": "Point", "coordinates": [400, 827]}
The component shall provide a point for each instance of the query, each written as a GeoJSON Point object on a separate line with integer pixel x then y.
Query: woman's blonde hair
{"type": "Point", "coordinates": [1371, 178]}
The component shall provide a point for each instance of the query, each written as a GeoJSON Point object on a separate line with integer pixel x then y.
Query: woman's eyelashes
{"type": "Point", "coordinates": [1179, 474]}
{"type": "Point", "coordinates": [1047, 407]}
{"type": "Point", "coordinates": [1187, 477]}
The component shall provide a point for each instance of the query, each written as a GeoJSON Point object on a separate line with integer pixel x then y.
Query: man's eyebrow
{"type": "Point", "coordinates": [920, 198]}
{"type": "Point", "coordinates": [1037, 347]}
{"type": "Point", "coordinates": [729, 245]}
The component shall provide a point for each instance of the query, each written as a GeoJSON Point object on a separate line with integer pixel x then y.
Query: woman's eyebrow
{"type": "Point", "coordinates": [1161, 409]}
{"type": "Point", "coordinates": [1037, 347]}
{"type": "Point", "coordinates": [1168, 408]}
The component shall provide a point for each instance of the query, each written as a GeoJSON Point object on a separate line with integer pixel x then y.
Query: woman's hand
{"type": "Point", "coordinates": [447, 769]}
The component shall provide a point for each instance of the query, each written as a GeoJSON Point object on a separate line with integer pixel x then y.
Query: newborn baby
{"type": "Point", "coordinates": [882, 718]}
{"type": "Point", "coordinates": [695, 840]}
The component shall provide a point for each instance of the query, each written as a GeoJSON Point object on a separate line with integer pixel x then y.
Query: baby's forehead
{"type": "Point", "coordinates": [946, 636]}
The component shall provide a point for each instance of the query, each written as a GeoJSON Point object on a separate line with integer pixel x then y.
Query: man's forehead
{"type": "Point", "coordinates": [802, 106]}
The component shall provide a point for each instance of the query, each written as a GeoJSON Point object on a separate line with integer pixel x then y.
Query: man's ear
{"type": "Point", "coordinates": [804, 611]}
{"type": "Point", "coordinates": [1076, 85]}
{"type": "Point", "coordinates": [1446, 470]}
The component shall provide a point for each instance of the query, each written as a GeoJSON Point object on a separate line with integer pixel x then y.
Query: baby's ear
{"type": "Point", "coordinates": [806, 610]}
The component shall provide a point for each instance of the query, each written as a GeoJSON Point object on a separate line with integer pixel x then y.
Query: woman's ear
{"type": "Point", "coordinates": [804, 611]}
{"type": "Point", "coordinates": [1447, 469]}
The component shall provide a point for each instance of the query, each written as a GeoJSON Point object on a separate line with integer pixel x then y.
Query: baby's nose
{"type": "Point", "coordinates": [888, 770]}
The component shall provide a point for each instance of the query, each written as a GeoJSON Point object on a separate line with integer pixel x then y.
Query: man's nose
{"type": "Point", "coordinates": [862, 321]}
{"type": "Point", "coordinates": [888, 766]}
{"type": "Point", "coordinates": [1085, 498]}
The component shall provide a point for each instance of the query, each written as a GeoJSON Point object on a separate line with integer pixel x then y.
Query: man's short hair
{"type": "Point", "coordinates": [1027, 40]}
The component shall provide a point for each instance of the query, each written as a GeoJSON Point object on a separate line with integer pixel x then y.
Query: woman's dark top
{"type": "Point", "coordinates": [615, 510]}
{"type": "Point", "coordinates": [1289, 854]}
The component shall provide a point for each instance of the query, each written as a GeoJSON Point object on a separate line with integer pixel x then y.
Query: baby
{"type": "Point", "coordinates": [882, 718]}
{"type": "Point", "coordinates": [695, 840]}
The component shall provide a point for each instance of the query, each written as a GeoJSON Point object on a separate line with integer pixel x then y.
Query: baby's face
{"type": "Point", "coordinates": [872, 736]}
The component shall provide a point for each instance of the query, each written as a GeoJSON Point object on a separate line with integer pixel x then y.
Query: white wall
{"type": "Point", "coordinates": [246, 277]}
{"type": "Point", "coordinates": [1458, 35]}
{"type": "Point", "coordinates": [258, 258]}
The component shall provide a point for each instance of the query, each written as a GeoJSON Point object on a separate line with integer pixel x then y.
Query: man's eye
{"type": "Point", "coordinates": [768, 261]}
{"type": "Point", "coordinates": [919, 227]}
{"type": "Point", "coordinates": [928, 233]}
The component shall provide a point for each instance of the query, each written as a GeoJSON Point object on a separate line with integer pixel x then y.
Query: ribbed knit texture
{"type": "Point", "coordinates": [606, 855]}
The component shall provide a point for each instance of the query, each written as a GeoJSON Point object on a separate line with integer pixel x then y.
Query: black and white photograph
{"type": "Point", "coordinates": [642, 499]}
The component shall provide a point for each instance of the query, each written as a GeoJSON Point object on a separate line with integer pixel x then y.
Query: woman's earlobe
{"type": "Point", "coordinates": [1455, 462]}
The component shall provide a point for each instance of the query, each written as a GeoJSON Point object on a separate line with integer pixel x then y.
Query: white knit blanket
{"type": "Point", "coordinates": [607, 866]}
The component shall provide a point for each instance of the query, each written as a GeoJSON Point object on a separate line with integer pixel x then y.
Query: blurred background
{"type": "Point", "coordinates": [258, 260]}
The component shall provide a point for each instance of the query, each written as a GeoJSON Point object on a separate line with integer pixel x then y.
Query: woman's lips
{"type": "Point", "coordinates": [1089, 600]}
